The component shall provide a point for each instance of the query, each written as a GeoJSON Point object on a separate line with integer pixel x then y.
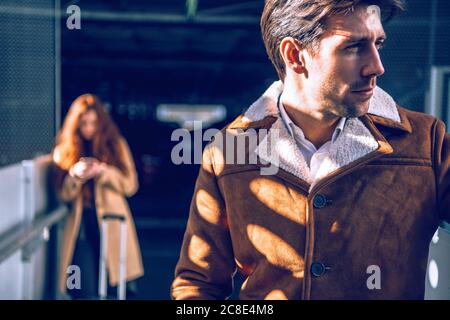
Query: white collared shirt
{"type": "Point", "coordinates": [317, 159]}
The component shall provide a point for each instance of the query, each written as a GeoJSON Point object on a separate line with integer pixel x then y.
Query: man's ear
{"type": "Point", "coordinates": [293, 55]}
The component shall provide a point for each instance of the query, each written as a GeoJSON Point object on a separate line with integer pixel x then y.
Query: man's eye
{"type": "Point", "coordinates": [356, 48]}
{"type": "Point", "coordinates": [353, 48]}
{"type": "Point", "coordinates": [380, 45]}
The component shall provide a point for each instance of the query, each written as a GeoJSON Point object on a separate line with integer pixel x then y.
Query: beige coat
{"type": "Point", "coordinates": [111, 190]}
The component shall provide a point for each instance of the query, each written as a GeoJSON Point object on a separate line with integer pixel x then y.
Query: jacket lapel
{"type": "Point", "coordinates": [280, 149]}
{"type": "Point", "coordinates": [359, 141]}
{"type": "Point", "coordinates": [354, 142]}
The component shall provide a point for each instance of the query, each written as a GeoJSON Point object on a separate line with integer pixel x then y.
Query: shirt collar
{"type": "Point", "coordinates": [291, 125]}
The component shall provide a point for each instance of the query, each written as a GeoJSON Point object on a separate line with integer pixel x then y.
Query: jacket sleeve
{"type": "Point", "coordinates": [126, 184]}
{"type": "Point", "coordinates": [70, 189]}
{"type": "Point", "coordinates": [67, 187]}
{"type": "Point", "coordinates": [206, 264]}
{"type": "Point", "coordinates": [442, 165]}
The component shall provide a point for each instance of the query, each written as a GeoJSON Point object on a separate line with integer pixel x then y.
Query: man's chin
{"type": "Point", "coordinates": [357, 110]}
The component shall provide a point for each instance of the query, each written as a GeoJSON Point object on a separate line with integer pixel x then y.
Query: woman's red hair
{"type": "Point", "coordinates": [105, 143]}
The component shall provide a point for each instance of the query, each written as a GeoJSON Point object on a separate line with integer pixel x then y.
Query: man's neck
{"type": "Point", "coordinates": [316, 126]}
{"type": "Point", "coordinates": [316, 131]}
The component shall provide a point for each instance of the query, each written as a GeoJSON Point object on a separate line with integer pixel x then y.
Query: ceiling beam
{"type": "Point", "coordinates": [231, 8]}
{"type": "Point", "coordinates": [138, 17]}
{"type": "Point", "coordinates": [134, 17]}
{"type": "Point", "coordinates": [191, 9]}
{"type": "Point", "coordinates": [169, 64]}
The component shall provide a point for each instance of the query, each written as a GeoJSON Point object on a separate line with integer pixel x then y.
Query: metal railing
{"type": "Point", "coordinates": [24, 236]}
{"type": "Point", "coordinates": [445, 226]}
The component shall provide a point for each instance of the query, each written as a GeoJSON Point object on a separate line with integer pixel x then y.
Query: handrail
{"type": "Point", "coordinates": [21, 235]}
{"type": "Point", "coordinates": [445, 226]}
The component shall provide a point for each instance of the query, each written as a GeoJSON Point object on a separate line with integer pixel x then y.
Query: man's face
{"type": "Point", "coordinates": [342, 73]}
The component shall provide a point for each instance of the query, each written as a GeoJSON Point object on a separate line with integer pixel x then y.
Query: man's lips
{"type": "Point", "coordinates": [365, 93]}
{"type": "Point", "coordinates": [364, 90]}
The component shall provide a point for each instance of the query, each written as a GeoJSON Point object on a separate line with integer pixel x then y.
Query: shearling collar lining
{"type": "Point", "coordinates": [381, 105]}
{"type": "Point", "coordinates": [355, 142]}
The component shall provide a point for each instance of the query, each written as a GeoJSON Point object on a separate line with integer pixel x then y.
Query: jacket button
{"type": "Point", "coordinates": [318, 269]}
{"type": "Point", "coordinates": [320, 201]}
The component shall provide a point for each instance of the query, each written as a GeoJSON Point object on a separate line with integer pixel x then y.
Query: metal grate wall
{"type": "Point", "coordinates": [417, 40]}
{"type": "Point", "coordinates": [27, 78]}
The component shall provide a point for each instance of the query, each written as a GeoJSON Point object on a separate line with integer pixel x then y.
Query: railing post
{"type": "Point", "coordinates": [27, 208]}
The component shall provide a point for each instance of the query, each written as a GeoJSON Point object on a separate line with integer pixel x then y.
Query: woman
{"type": "Point", "coordinates": [95, 173]}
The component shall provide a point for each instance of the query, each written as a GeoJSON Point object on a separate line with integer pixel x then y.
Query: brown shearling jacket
{"type": "Point", "coordinates": [293, 237]}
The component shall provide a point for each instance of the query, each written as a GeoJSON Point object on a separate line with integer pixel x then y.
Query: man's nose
{"type": "Point", "coordinates": [373, 66]}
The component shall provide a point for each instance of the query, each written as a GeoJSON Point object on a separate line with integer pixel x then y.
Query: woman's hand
{"type": "Point", "coordinates": [80, 170]}
{"type": "Point", "coordinates": [86, 168]}
{"type": "Point", "coordinates": [96, 168]}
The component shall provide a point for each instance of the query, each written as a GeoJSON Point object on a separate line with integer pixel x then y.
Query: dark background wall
{"type": "Point", "coordinates": [27, 79]}
{"type": "Point", "coordinates": [137, 54]}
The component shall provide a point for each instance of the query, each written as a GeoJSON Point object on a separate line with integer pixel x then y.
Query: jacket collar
{"type": "Point", "coordinates": [382, 110]}
{"type": "Point", "coordinates": [359, 140]}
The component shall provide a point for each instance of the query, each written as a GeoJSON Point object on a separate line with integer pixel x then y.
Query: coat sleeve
{"type": "Point", "coordinates": [70, 189]}
{"type": "Point", "coordinates": [67, 187]}
{"type": "Point", "coordinates": [206, 264]}
{"type": "Point", "coordinates": [442, 165]}
{"type": "Point", "coordinates": [126, 184]}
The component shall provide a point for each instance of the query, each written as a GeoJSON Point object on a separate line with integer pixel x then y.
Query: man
{"type": "Point", "coordinates": [362, 184]}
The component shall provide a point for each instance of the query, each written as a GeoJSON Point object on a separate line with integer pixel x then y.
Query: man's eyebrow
{"type": "Point", "coordinates": [382, 37]}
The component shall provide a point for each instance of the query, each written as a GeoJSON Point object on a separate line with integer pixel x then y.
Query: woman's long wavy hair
{"type": "Point", "coordinates": [70, 143]}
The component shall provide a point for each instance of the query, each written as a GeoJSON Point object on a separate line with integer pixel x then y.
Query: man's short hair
{"type": "Point", "coordinates": [305, 21]}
